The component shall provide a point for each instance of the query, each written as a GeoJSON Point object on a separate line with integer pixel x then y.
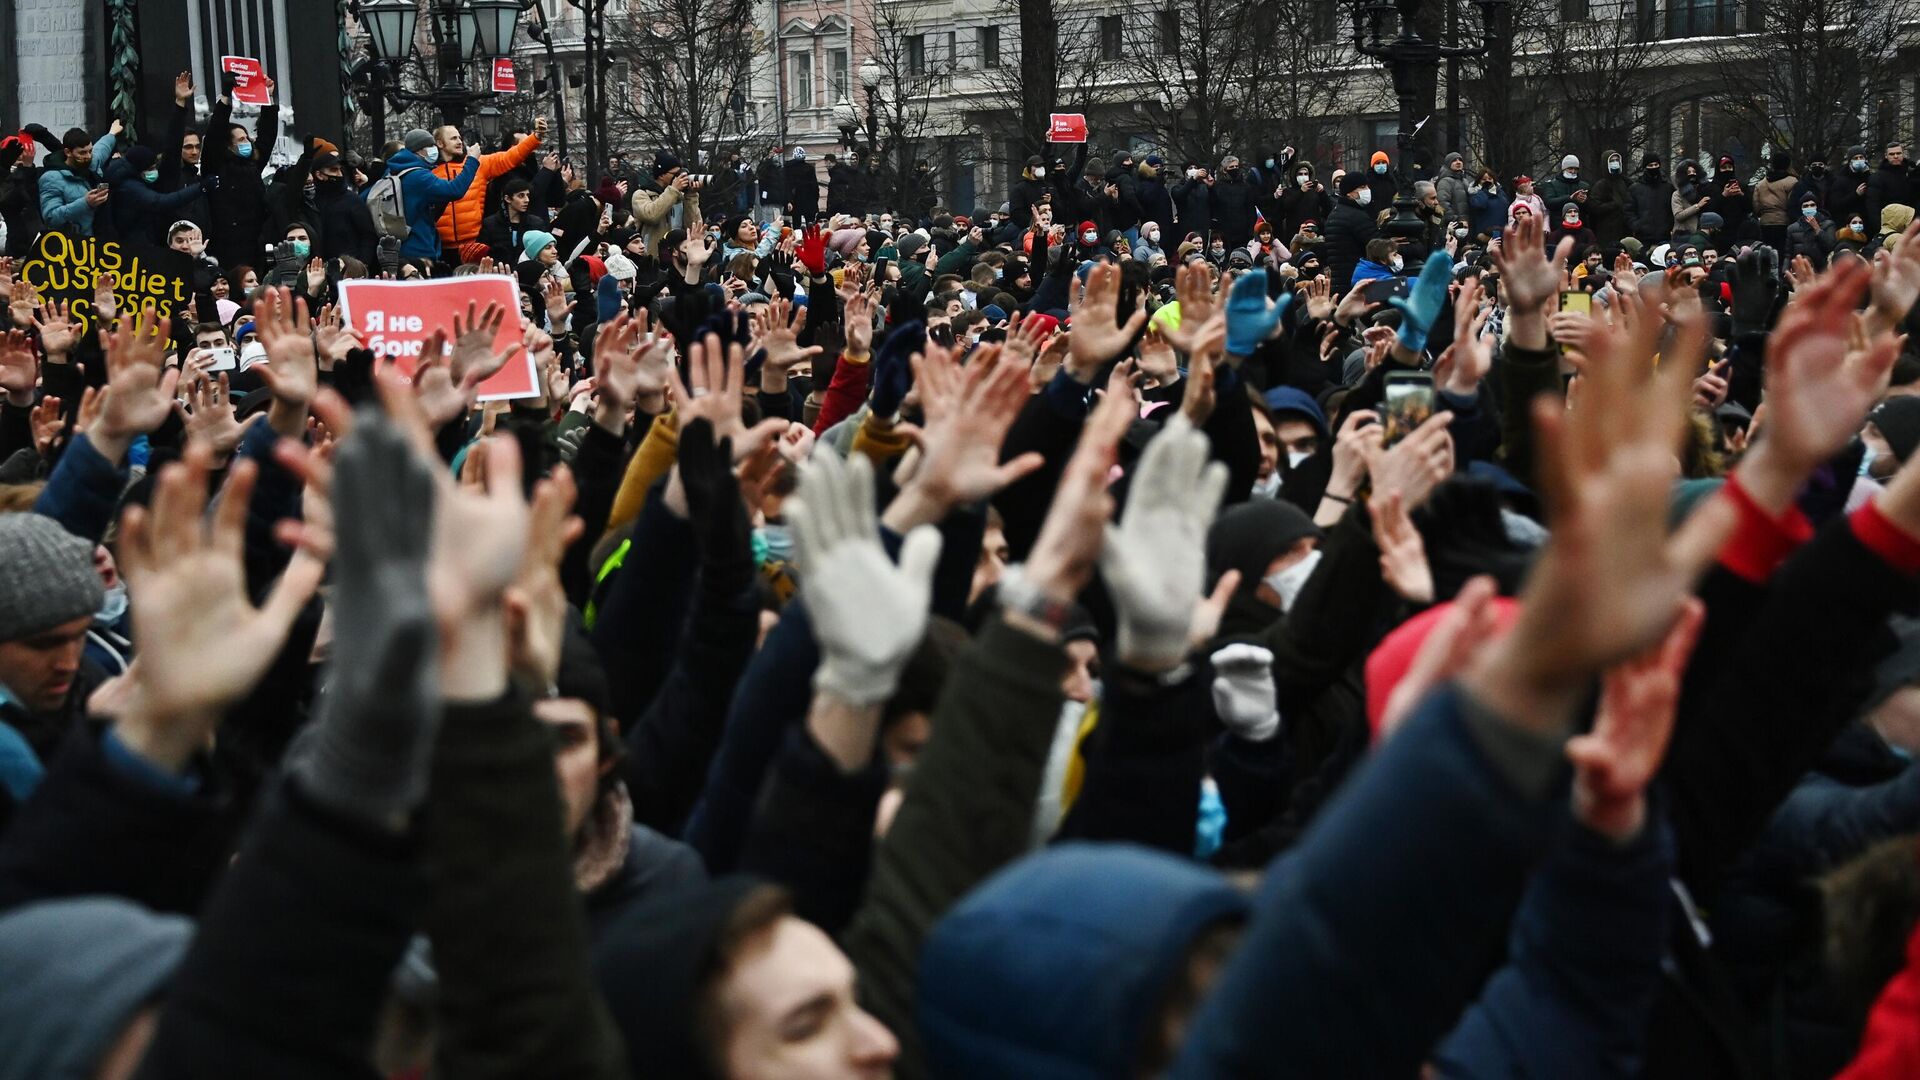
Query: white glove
{"type": "Point", "coordinates": [1155, 560]}
{"type": "Point", "coordinates": [1243, 693]}
{"type": "Point", "coordinates": [868, 614]}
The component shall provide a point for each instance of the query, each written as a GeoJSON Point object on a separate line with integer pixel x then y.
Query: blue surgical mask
{"type": "Point", "coordinates": [245, 150]}
{"type": "Point", "coordinates": [1866, 460]}
{"type": "Point", "coordinates": [430, 155]}
{"type": "Point", "coordinates": [1809, 212]}
{"type": "Point", "coordinates": [113, 606]}
{"type": "Point", "coordinates": [301, 248]}
{"type": "Point", "coordinates": [1381, 169]}
{"type": "Point", "coordinates": [151, 175]}
{"type": "Point", "coordinates": [777, 540]}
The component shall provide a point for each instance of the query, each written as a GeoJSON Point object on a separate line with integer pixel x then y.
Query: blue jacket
{"type": "Point", "coordinates": [1370, 936]}
{"type": "Point", "coordinates": [141, 213]}
{"type": "Point", "coordinates": [63, 193]}
{"type": "Point", "coordinates": [84, 491]}
{"type": "Point", "coordinates": [1487, 210]}
{"type": "Point", "coordinates": [1583, 966]}
{"type": "Point", "coordinates": [1367, 270]}
{"type": "Point", "coordinates": [424, 196]}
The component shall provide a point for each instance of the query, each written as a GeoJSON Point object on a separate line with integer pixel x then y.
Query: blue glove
{"type": "Point", "coordinates": [1418, 311]}
{"type": "Point", "coordinates": [892, 373]}
{"type": "Point", "coordinates": [1251, 317]}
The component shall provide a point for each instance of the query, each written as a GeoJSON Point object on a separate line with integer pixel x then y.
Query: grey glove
{"type": "Point", "coordinates": [368, 753]}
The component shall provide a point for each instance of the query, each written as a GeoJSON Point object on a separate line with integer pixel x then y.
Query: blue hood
{"type": "Point", "coordinates": [1054, 968]}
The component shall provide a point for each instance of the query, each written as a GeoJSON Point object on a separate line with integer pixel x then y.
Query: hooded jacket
{"type": "Point", "coordinates": [1233, 198]}
{"type": "Point", "coordinates": [1347, 230]}
{"type": "Point", "coordinates": [1055, 968]}
{"type": "Point", "coordinates": [424, 194]}
{"type": "Point", "coordinates": [1151, 195]}
{"type": "Point", "coordinates": [1771, 195]}
{"type": "Point", "coordinates": [1650, 204]}
{"type": "Point", "coordinates": [803, 188]}
{"type": "Point", "coordinates": [1606, 209]}
{"type": "Point", "coordinates": [1298, 204]}
{"type": "Point", "coordinates": [236, 196]}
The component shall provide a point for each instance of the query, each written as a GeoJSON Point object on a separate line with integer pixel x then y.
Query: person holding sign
{"type": "Point", "coordinates": [231, 164]}
{"type": "Point", "coordinates": [72, 192]}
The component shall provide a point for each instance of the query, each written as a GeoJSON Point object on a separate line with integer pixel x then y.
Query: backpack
{"type": "Point", "coordinates": [388, 206]}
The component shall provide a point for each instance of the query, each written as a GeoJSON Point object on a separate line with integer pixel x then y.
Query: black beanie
{"type": "Point", "coordinates": [1248, 537]}
{"type": "Point", "coordinates": [650, 963]}
{"type": "Point", "coordinates": [1898, 419]}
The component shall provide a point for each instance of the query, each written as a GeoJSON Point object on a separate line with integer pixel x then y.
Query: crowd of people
{"type": "Point", "coordinates": [1222, 625]}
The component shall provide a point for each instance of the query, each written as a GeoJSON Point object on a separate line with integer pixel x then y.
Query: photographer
{"type": "Point", "coordinates": [670, 200]}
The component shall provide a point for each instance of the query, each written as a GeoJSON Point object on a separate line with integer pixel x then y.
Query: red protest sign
{"type": "Point", "coordinates": [250, 80]}
{"type": "Point", "coordinates": [504, 80]}
{"type": "Point", "coordinates": [1067, 127]}
{"type": "Point", "coordinates": [395, 319]}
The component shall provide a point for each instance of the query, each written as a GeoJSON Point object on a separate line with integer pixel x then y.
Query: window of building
{"type": "Point", "coordinates": [1574, 11]}
{"type": "Point", "coordinates": [987, 44]}
{"type": "Point", "coordinates": [839, 65]}
{"type": "Point", "coordinates": [1169, 31]}
{"type": "Point", "coordinates": [916, 54]}
{"type": "Point", "coordinates": [1325, 16]}
{"type": "Point", "coordinates": [1109, 37]}
{"type": "Point", "coordinates": [803, 80]}
{"type": "Point", "coordinates": [952, 59]}
{"type": "Point", "coordinates": [1701, 18]}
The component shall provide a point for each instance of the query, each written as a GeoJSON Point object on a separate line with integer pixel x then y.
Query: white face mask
{"type": "Point", "coordinates": [1397, 263]}
{"type": "Point", "coordinates": [1295, 458]}
{"type": "Point", "coordinates": [1571, 174]}
{"type": "Point", "coordinates": [1288, 582]}
{"type": "Point", "coordinates": [1613, 167]}
{"type": "Point", "coordinates": [1363, 196]}
{"type": "Point", "coordinates": [1153, 236]}
{"type": "Point", "coordinates": [1268, 488]}
{"type": "Point", "coordinates": [113, 605]}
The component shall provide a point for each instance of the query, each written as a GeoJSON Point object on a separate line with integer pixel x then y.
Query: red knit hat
{"type": "Point", "coordinates": [1390, 659]}
{"type": "Point", "coordinates": [1088, 226]}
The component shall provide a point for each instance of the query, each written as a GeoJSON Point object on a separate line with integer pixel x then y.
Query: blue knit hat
{"type": "Point", "coordinates": [535, 242]}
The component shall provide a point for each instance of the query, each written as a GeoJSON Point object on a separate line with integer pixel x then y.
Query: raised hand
{"type": "Point", "coordinates": [1098, 334]}
{"type": "Point", "coordinates": [1403, 554]}
{"type": "Point", "coordinates": [1458, 639]}
{"type": "Point", "coordinates": [1466, 361]}
{"type": "Point", "coordinates": [1529, 279]}
{"type": "Point", "coordinates": [782, 323]}
{"type": "Point", "coordinates": [208, 414]}
{"type": "Point", "coordinates": [1896, 280]}
{"type": "Point", "coordinates": [1417, 464]}
{"type": "Point", "coordinates": [203, 645]}
{"type": "Point", "coordinates": [968, 412]}
{"type": "Point", "coordinates": [47, 424]}
{"type": "Point", "coordinates": [1209, 351]}
{"type": "Point", "coordinates": [1154, 561]}
{"type": "Point", "coordinates": [474, 358]}
{"type": "Point", "coordinates": [858, 322]}
{"type": "Point", "coordinates": [139, 394]}
{"type": "Point", "coordinates": [1319, 299]}
{"type": "Point", "coordinates": [536, 603]}
{"type": "Point", "coordinates": [868, 614]}
{"type": "Point", "coordinates": [19, 369]}
{"type": "Point", "coordinates": [1244, 697]}
{"type": "Point", "coordinates": [1616, 761]}
{"type": "Point", "coordinates": [1070, 540]}
{"type": "Point", "coordinates": [716, 373]}
{"type": "Point", "coordinates": [1818, 390]}
{"type": "Point", "coordinates": [1611, 579]}
{"type": "Point", "coordinates": [292, 371]}
{"type": "Point", "coordinates": [1251, 317]}
{"type": "Point", "coordinates": [1199, 295]}
{"type": "Point", "coordinates": [58, 329]}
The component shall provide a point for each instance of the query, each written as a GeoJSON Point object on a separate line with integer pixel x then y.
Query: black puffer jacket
{"type": "Point", "coordinates": [1348, 229]}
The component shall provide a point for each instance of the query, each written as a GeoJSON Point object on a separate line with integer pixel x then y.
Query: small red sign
{"type": "Point", "coordinates": [1067, 128]}
{"type": "Point", "coordinates": [504, 80]}
{"type": "Point", "coordinates": [250, 80]}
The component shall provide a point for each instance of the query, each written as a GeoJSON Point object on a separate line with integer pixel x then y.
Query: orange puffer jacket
{"type": "Point", "coordinates": [460, 223]}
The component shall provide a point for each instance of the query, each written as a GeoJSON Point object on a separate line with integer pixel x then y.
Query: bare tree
{"type": "Point", "coordinates": [1213, 80]}
{"type": "Point", "coordinates": [1813, 75]}
{"type": "Point", "coordinates": [1593, 73]}
{"type": "Point", "coordinates": [894, 114]}
{"type": "Point", "coordinates": [1058, 70]}
{"type": "Point", "coordinates": [689, 64]}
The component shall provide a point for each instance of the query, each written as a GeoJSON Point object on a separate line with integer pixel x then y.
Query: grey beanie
{"type": "Point", "coordinates": [77, 973]}
{"type": "Point", "coordinates": [418, 140]}
{"type": "Point", "coordinates": [909, 245]}
{"type": "Point", "coordinates": [46, 576]}
{"type": "Point", "coordinates": [1569, 162]}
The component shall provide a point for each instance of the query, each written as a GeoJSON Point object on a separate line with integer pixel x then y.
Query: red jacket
{"type": "Point", "coordinates": [1890, 1048]}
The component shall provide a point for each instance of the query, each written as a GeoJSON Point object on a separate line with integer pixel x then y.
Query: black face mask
{"type": "Point", "coordinates": [330, 187]}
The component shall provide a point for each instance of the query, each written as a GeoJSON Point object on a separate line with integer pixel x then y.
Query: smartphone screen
{"type": "Point", "coordinates": [1409, 403]}
{"type": "Point", "coordinates": [1577, 300]}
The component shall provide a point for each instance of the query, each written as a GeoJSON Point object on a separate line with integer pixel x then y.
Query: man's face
{"type": "Point", "coordinates": [331, 172]}
{"type": "Point", "coordinates": [298, 235]}
{"type": "Point", "coordinates": [210, 339]}
{"type": "Point", "coordinates": [1269, 445]}
{"type": "Point", "coordinates": [452, 146]}
{"type": "Point", "coordinates": [238, 138]}
{"type": "Point", "coordinates": [576, 755]}
{"type": "Point", "coordinates": [190, 148]}
{"type": "Point", "coordinates": [80, 156]}
{"type": "Point", "coordinates": [789, 1012]}
{"type": "Point", "coordinates": [994, 554]}
{"type": "Point", "coordinates": [519, 201]}
{"type": "Point", "coordinates": [954, 308]}
{"type": "Point", "coordinates": [1456, 166]}
{"type": "Point", "coordinates": [187, 240]}
{"type": "Point", "coordinates": [40, 670]}
{"type": "Point", "coordinates": [1896, 155]}
{"type": "Point", "coordinates": [1082, 658]}
{"type": "Point", "coordinates": [1296, 436]}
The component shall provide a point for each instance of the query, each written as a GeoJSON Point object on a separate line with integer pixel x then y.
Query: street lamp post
{"type": "Point", "coordinates": [870, 75]}
{"type": "Point", "coordinates": [1414, 62]}
{"type": "Point", "coordinates": [462, 31]}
